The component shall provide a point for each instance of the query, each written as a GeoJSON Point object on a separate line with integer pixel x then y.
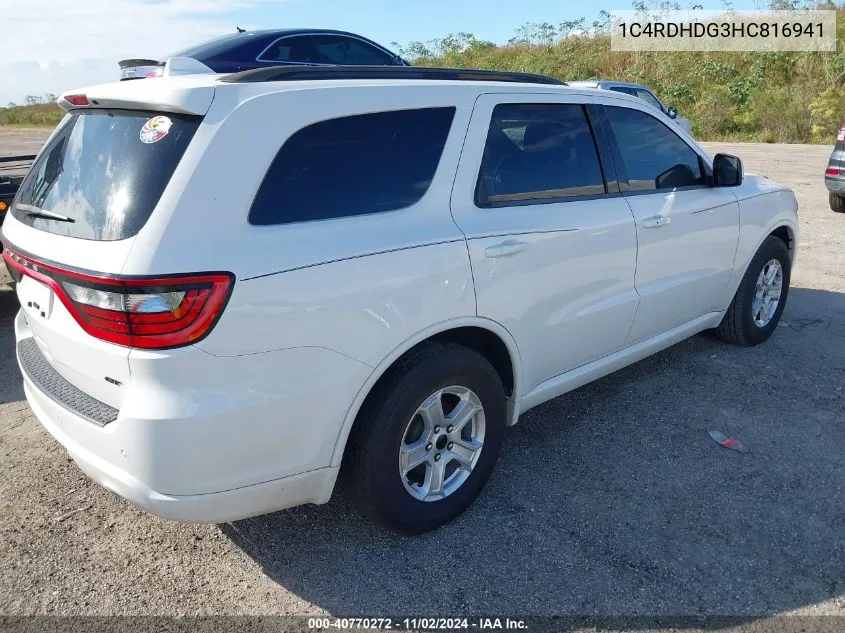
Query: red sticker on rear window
{"type": "Point", "coordinates": [155, 129]}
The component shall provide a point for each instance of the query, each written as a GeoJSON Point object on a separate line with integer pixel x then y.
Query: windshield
{"type": "Point", "coordinates": [103, 172]}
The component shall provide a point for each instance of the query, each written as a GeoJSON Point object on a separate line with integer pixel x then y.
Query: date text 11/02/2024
{"type": "Point", "coordinates": [417, 624]}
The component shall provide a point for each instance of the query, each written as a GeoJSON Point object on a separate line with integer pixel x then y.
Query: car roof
{"type": "Point", "coordinates": [223, 42]}
{"type": "Point", "coordinates": [297, 31]}
{"type": "Point", "coordinates": [192, 94]}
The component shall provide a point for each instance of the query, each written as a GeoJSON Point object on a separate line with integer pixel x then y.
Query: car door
{"type": "Point", "coordinates": [551, 241]}
{"type": "Point", "coordinates": [687, 230]}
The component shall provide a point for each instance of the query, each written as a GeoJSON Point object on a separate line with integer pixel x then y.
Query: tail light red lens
{"type": "Point", "coordinates": [76, 100]}
{"type": "Point", "coordinates": [832, 171]}
{"type": "Point", "coordinates": [142, 312]}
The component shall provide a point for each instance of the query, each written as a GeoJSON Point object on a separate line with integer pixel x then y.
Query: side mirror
{"type": "Point", "coordinates": [727, 171]}
{"type": "Point", "coordinates": [672, 111]}
{"type": "Point", "coordinates": [679, 175]}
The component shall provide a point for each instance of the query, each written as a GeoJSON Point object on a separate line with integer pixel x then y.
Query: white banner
{"type": "Point", "coordinates": [701, 30]}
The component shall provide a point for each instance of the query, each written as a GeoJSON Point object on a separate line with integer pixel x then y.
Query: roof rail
{"type": "Point", "coordinates": [308, 73]}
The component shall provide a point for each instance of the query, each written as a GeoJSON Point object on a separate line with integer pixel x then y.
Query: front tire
{"type": "Point", "coordinates": [428, 438]}
{"type": "Point", "coordinates": [761, 297]}
{"type": "Point", "coordinates": [837, 203]}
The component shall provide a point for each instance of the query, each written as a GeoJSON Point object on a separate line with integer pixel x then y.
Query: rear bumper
{"type": "Point", "coordinates": [208, 439]}
{"type": "Point", "coordinates": [835, 185]}
{"type": "Point", "coordinates": [218, 507]}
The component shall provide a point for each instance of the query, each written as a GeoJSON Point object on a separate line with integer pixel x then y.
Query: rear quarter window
{"type": "Point", "coordinates": [355, 165]}
{"type": "Point", "coordinates": [98, 173]}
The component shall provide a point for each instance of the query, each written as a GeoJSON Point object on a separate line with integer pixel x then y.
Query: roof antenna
{"type": "Point", "coordinates": [240, 30]}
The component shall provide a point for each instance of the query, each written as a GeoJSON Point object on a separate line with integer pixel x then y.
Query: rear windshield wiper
{"type": "Point", "coordinates": [38, 212]}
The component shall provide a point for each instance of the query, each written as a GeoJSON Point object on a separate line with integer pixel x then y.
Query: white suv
{"type": "Point", "coordinates": [235, 287]}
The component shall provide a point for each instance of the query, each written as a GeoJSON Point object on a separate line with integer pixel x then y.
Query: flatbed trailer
{"type": "Point", "coordinates": [13, 170]}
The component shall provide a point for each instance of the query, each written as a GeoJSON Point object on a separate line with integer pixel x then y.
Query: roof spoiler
{"type": "Point", "coordinates": [186, 97]}
{"type": "Point", "coordinates": [138, 68]}
{"type": "Point", "coordinates": [128, 63]}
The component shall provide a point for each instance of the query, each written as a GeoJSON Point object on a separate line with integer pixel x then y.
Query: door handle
{"type": "Point", "coordinates": [510, 247]}
{"type": "Point", "coordinates": [656, 220]}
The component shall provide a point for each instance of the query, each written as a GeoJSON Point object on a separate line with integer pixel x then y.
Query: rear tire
{"type": "Point", "coordinates": [394, 421]}
{"type": "Point", "coordinates": [752, 317]}
{"type": "Point", "coordinates": [837, 203]}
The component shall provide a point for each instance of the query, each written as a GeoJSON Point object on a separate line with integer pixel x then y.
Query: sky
{"type": "Point", "coordinates": [49, 46]}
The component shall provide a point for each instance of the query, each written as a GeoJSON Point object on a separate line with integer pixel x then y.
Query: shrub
{"type": "Point", "coordinates": [790, 97]}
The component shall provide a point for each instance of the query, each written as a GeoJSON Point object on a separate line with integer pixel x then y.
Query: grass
{"type": "Point", "coordinates": [786, 97]}
{"type": "Point", "coordinates": [34, 115]}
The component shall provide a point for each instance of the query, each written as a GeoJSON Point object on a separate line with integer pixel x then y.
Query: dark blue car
{"type": "Point", "coordinates": [246, 50]}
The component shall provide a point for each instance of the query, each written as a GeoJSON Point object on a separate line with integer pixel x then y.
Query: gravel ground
{"type": "Point", "coordinates": [610, 500]}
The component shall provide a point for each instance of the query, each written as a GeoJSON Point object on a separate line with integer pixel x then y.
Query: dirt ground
{"type": "Point", "coordinates": [610, 500]}
{"type": "Point", "coordinates": [21, 141]}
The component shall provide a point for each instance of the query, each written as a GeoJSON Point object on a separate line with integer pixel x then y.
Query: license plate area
{"type": "Point", "coordinates": [36, 298]}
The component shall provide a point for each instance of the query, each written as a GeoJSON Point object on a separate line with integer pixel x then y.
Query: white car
{"type": "Point", "coordinates": [235, 287]}
{"type": "Point", "coordinates": [640, 91]}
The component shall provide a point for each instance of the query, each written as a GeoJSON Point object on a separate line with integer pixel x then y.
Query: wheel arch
{"type": "Point", "coordinates": [785, 232]}
{"type": "Point", "coordinates": [488, 337]}
{"type": "Point", "coordinates": [783, 229]}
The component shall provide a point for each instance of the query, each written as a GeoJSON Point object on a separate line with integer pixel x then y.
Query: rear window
{"type": "Point", "coordinates": [213, 47]}
{"type": "Point", "coordinates": [103, 173]}
{"type": "Point", "coordinates": [356, 165]}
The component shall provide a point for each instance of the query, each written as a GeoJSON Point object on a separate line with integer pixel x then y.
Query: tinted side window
{"type": "Point", "coordinates": [624, 90]}
{"type": "Point", "coordinates": [335, 49]}
{"type": "Point", "coordinates": [538, 151]}
{"type": "Point", "coordinates": [353, 165]}
{"type": "Point", "coordinates": [649, 98]}
{"type": "Point", "coordinates": [640, 93]}
{"type": "Point", "coordinates": [292, 49]}
{"type": "Point", "coordinates": [653, 156]}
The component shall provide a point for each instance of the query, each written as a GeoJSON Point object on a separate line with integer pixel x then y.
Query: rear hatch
{"type": "Point", "coordinates": [70, 230]}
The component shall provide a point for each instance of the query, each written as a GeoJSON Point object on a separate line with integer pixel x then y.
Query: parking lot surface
{"type": "Point", "coordinates": [610, 500]}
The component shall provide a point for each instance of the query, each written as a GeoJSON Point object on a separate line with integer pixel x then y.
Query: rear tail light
{"type": "Point", "coordinates": [76, 100]}
{"type": "Point", "coordinates": [158, 72]}
{"type": "Point", "coordinates": [142, 312]}
{"type": "Point", "coordinates": [840, 136]}
{"type": "Point", "coordinates": [832, 171]}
